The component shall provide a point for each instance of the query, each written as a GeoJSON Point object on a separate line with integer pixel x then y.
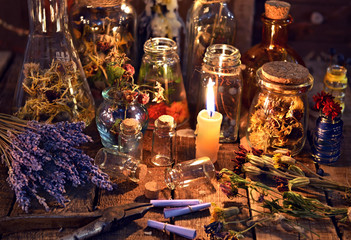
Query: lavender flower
{"type": "Point", "coordinates": [44, 158]}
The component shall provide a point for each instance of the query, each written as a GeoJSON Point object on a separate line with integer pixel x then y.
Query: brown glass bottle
{"type": "Point", "coordinates": [273, 47]}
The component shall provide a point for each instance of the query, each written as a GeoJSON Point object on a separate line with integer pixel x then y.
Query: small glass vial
{"type": "Point", "coordinates": [335, 83]}
{"type": "Point", "coordinates": [184, 174]}
{"type": "Point", "coordinates": [163, 141]}
{"type": "Point", "coordinates": [120, 166]}
{"type": "Point", "coordinates": [222, 65]}
{"type": "Point", "coordinates": [278, 117]}
{"type": "Point", "coordinates": [130, 138]}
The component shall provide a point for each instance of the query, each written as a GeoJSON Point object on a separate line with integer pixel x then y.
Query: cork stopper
{"type": "Point", "coordinates": [130, 126]}
{"type": "Point", "coordinates": [165, 121]}
{"type": "Point", "coordinates": [285, 72]}
{"type": "Point", "coordinates": [151, 190]}
{"type": "Point", "coordinates": [277, 9]}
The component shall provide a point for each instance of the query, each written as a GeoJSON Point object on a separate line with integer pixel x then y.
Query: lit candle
{"type": "Point", "coordinates": [208, 127]}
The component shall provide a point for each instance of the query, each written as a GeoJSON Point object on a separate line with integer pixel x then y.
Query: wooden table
{"type": "Point", "coordinates": [88, 198]}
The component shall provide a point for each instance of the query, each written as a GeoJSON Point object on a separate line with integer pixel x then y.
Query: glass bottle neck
{"type": "Point", "coordinates": [160, 47]}
{"type": "Point", "coordinates": [47, 17]}
{"type": "Point", "coordinates": [275, 32]}
{"type": "Point", "coordinates": [222, 56]}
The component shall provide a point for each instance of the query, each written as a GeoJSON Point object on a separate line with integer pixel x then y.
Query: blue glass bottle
{"type": "Point", "coordinates": [326, 147]}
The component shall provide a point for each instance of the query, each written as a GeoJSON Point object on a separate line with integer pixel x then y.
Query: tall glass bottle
{"type": "Point", "coordinates": [222, 66]}
{"type": "Point", "coordinates": [208, 22]}
{"type": "Point", "coordinates": [160, 68]}
{"type": "Point", "coordinates": [52, 85]}
{"type": "Point", "coordinates": [100, 29]}
{"type": "Point", "coordinates": [273, 46]}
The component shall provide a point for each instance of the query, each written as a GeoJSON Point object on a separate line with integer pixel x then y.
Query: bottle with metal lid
{"type": "Point", "coordinates": [130, 138]}
{"type": "Point", "coordinates": [335, 83]}
{"type": "Point", "coordinates": [273, 46]}
{"type": "Point", "coordinates": [222, 65]}
{"type": "Point", "coordinates": [278, 116]}
{"type": "Point", "coordinates": [163, 141]}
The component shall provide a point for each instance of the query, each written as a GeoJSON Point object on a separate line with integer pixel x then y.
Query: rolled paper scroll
{"type": "Point", "coordinates": [173, 212]}
{"type": "Point", "coordinates": [175, 203]}
{"type": "Point", "coordinates": [181, 231]}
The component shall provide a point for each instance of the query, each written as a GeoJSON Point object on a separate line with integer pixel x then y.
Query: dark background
{"type": "Point", "coordinates": [308, 38]}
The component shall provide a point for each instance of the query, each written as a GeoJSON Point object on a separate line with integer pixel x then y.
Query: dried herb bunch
{"type": "Point", "coordinates": [278, 207]}
{"type": "Point", "coordinates": [277, 123]}
{"type": "Point", "coordinates": [55, 94]}
{"type": "Point", "coordinates": [43, 158]}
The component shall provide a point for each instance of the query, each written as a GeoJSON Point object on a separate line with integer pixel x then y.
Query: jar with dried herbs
{"type": "Point", "coordinates": [102, 31]}
{"type": "Point", "coordinates": [52, 86]}
{"type": "Point", "coordinates": [160, 69]}
{"type": "Point", "coordinates": [278, 115]}
{"type": "Point", "coordinates": [208, 22]}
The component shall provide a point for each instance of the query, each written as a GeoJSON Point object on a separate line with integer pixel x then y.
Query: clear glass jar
{"type": "Point", "coordinates": [160, 64]}
{"type": "Point", "coordinates": [273, 47]}
{"type": "Point", "coordinates": [112, 111]}
{"type": "Point", "coordinates": [120, 166]}
{"type": "Point", "coordinates": [278, 117]}
{"type": "Point", "coordinates": [52, 86]}
{"type": "Point", "coordinates": [326, 140]}
{"type": "Point", "coordinates": [190, 173]}
{"type": "Point", "coordinates": [335, 83]}
{"type": "Point", "coordinates": [163, 141]}
{"type": "Point", "coordinates": [100, 29]}
{"type": "Point", "coordinates": [161, 19]}
{"type": "Point", "coordinates": [208, 22]}
{"type": "Point", "coordinates": [130, 138]}
{"type": "Point", "coordinates": [222, 65]}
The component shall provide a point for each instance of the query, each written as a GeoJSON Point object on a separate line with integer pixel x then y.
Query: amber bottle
{"type": "Point", "coordinates": [273, 47]}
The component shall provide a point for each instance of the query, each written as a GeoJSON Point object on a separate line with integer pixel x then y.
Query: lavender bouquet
{"type": "Point", "coordinates": [42, 158]}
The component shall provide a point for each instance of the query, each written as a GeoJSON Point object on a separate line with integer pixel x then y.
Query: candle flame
{"type": "Point", "coordinates": [210, 99]}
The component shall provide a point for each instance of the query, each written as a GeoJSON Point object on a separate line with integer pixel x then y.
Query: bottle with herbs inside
{"type": "Point", "coordinates": [52, 86]}
{"type": "Point", "coordinates": [160, 69]}
{"type": "Point", "coordinates": [222, 65]}
{"type": "Point", "coordinates": [208, 22]}
{"type": "Point", "coordinates": [273, 46]}
{"type": "Point", "coordinates": [102, 30]}
{"type": "Point", "coordinates": [278, 116]}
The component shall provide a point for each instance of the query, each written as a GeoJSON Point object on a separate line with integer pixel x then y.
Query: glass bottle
{"type": "Point", "coordinates": [191, 172]}
{"type": "Point", "coordinates": [130, 138]}
{"type": "Point", "coordinates": [222, 65]}
{"type": "Point", "coordinates": [160, 65]}
{"type": "Point", "coordinates": [163, 141]}
{"type": "Point", "coordinates": [111, 113]}
{"type": "Point", "coordinates": [208, 22]}
{"type": "Point", "coordinates": [101, 30]}
{"type": "Point", "coordinates": [278, 116]}
{"type": "Point", "coordinates": [326, 140]}
{"type": "Point", "coordinates": [335, 83]}
{"type": "Point", "coordinates": [161, 19]}
{"type": "Point", "coordinates": [52, 86]}
{"type": "Point", "coordinates": [273, 47]}
{"type": "Point", "coordinates": [120, 166]}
